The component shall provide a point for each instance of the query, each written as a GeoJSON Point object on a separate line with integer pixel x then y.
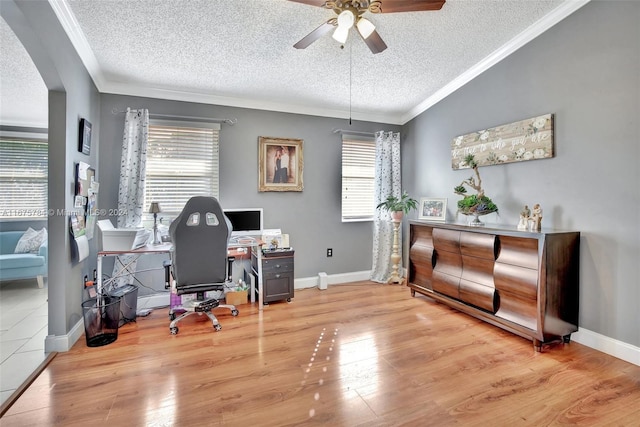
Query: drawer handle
{"type": "Point", "coordinates": [277, 276]}
{"type": "Point", "coordinates": [277, 265]}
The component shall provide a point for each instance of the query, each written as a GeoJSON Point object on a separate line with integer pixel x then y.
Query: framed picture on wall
{"type": "Point", "coordinates": [84, 140]}
{"type": "Point", "coordinates": [280, 164]}
{"type": "Point", "coordinates": [432, 209]}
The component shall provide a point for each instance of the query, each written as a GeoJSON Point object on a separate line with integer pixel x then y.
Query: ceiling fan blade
{"type": "Point", "coordinates": [318, 3]}
{"type": "Point", "coordinates": [315, 34]}
{"type": "Point", "coordinates": [395, 6]}
{"type": "Point", "coordinates": [375, 42]}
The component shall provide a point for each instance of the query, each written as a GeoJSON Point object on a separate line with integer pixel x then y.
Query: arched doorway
{"type": "Point", "coordinates": [23, 126]}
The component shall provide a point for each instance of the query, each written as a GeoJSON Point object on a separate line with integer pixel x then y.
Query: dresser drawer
{"type": "Point", "coordinates": [278, 287]}
{"type": "Point", "coordinates": [479, 245]}
{"type": "Point", "coordinates": [277, 265]}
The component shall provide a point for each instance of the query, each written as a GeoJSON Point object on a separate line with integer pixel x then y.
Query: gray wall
{"type": "Point", "coordinates": [311, 217]}
{"type": "Point", "coordinates": [586, 71]}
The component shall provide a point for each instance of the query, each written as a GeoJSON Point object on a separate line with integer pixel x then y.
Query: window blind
{"type": "Point", "coordinates": [358, 174]}
{"type": "Point", "coordinates": [23, 177]}
{"type": "Point", "coordinates": [182, 162]}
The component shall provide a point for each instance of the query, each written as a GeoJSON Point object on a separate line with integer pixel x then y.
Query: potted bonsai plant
{"type": "Point", "coordinates": [474, 204]}
{"type": "Point", "coordinates": [397, 207]}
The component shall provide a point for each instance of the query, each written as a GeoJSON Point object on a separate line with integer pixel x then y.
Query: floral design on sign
{"type": "Point", "coordinates": [530, 139]}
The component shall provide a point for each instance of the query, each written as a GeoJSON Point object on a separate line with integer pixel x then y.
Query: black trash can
{"type": "Point", "coordinates": [101, 318]}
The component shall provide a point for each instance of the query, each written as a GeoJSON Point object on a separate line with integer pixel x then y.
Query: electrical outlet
{"type": "Point", "coordinates": [329, 252]}
{"type": "Point", "coordinates": [92, 291]}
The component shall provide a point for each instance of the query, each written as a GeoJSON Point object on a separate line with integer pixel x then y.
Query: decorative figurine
{"type": "Point", "coordinates": [524, 218]}
{"type": "Point", "coordinates": [536, 218]}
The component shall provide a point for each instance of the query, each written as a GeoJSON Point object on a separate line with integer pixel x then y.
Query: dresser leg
{"type": "Point", "coordinates": [537, 345]}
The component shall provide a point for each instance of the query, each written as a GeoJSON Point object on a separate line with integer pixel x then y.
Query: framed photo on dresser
{"type": "Point", "coordinates": [432, 209]}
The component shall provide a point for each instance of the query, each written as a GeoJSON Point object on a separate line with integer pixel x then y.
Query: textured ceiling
{"type": "Point", "coordinates": [240, 52]}
{"type": "Point", "coordinates": [23, 95]}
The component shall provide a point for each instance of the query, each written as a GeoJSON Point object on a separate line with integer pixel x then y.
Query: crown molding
{"type": "Point", "coordinates": [211, 99]}
{"type": "Point", "coordinates": [71, 26]}
{"type": "Point", "coordinates": [80, 43]}
{"type": "Point", "coordinates": [496, 56]}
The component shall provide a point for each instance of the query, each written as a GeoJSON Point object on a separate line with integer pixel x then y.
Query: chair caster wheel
{"type": "Point", "coordinates": [174, 330]}
{"type": "Point", "coordinates": [172, 316]}
{"type": "Point", "coordinates": [217, 327]}
{"type": "Point", "coordinates": [288, 299]}
{"type": "Point", "coordinates": [234, 312]}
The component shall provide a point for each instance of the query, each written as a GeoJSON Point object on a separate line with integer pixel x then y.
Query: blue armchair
{"type": "Point", "coordinates": [22, 265]}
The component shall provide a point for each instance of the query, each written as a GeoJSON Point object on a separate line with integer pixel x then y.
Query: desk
{"type": "Point", "coordinates": [166, 248]}
{"type": "Point", "coordinates": [252, 245]}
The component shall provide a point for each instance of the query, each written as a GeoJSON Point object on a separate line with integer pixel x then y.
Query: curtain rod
{"type": "Point", "coordinates": [230, 122]}
{"type": "Point", "coordinates": [353, 132]}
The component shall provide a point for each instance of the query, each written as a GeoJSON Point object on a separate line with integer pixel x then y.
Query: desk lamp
{"type": "Point", "coordinates": [155, 210]}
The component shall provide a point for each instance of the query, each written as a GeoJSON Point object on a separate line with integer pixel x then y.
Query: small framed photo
{"type": "Point", "coordinates": [432, 209]}
{"type": "Point", "coordinates": [84, 142]}
{"type": "Point", "coordinates": [280, 164]}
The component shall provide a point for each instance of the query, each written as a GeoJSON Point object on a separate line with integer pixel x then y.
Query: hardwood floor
{"type": "Point", "coordinates": [359, 354]}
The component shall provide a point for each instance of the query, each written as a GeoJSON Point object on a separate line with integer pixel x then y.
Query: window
{"type": "Point", "coordinates": [23, 176]}
{"type": "Point", "coordinates": [182, 162]}
{"type": "Point", "coordinates": [358, 174]}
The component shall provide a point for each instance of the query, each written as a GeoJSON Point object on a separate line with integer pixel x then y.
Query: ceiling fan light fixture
{"type": "Point", "coordinates": [349, 13]}
{"type": "Point", "coordinates": [365, 27]}
{"type": "Point", "coordinates": [341, 34]}
{"type": "Point", "coordinates": [346, 19]}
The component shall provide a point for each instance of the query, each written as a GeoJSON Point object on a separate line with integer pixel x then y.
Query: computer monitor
{"type": "Point", "coordinates": [245, 222]}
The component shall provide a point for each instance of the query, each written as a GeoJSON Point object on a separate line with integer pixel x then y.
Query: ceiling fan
{"type": "Point", "coordinates": [350, 13]}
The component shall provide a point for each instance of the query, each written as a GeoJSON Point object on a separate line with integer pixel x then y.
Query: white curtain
{"type": "Point", "coordinates": [387, 181]}
{"type": "Point", "coordinates": [131, 190]}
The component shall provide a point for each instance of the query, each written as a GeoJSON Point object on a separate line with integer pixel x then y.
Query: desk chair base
{"type": "Point", "coordinates": [198, 307]}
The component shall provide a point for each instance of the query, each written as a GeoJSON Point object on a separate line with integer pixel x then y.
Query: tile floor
{"type": "Point", "coordinates": [23, 328]}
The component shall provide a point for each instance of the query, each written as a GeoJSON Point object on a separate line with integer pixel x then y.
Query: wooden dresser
{"type": "Point", "coordinates": [524, 282]}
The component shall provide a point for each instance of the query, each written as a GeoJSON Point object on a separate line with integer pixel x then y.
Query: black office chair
{"type": "Point", "coordinates": [199, 261]}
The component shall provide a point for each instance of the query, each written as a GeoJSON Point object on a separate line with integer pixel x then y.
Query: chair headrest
{"type": "Point", "coordinates": [200, 236]}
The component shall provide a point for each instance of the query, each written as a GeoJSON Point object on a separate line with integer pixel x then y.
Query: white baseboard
{"type": "Point", "coordinates": [305, 283]}
{"type": "Point", "coordinates": [162, 299]}
{"type": "Point", "coordinates": [621, 350]}
{"type": "Point", "coordinates": [154, 301]}
{"type": "Point", "coordinates": [61, 343]}
{"type": "Point", "coordinates": [332, 279]}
